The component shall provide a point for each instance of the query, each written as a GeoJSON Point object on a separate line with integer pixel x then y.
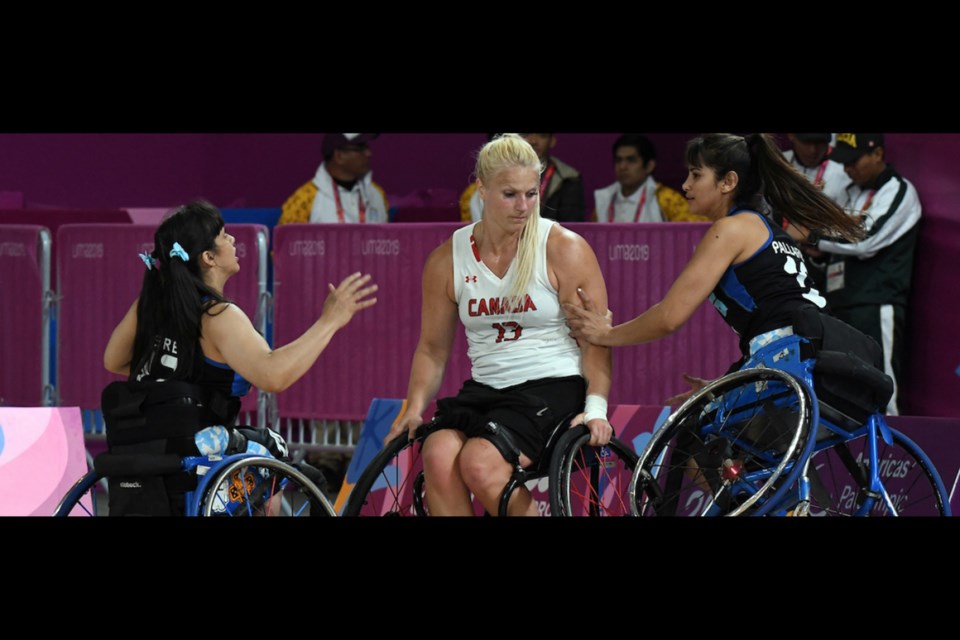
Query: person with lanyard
{"type": "Point", "coordinates": [636, 196]}
{"type": "Point", "coordinates": [504, 278]}
{"type": "Point", "coordinates": [342, 191]}
{"type": "Point", "coordinates": [868, 282]}
{"type": "Point", "coordinates": [182, 328]}
{"type": "Point", "coordinates": [809, 154]}
{"type": "Point", "coordinates": [748, 264]}
{"type": "Point", "coordinates": [561, 188]}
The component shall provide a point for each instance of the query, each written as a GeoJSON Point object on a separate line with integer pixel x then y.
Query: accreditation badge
{"type": "Point", "coordinates": [835, 276]}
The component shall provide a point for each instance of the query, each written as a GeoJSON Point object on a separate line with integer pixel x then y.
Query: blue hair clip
{"type": "Point", "coordinates": [148, 260]}
{"type": "Point", "coordinates": [178, 252]}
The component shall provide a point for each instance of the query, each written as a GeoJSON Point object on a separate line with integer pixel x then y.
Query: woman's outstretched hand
{"type": "Point", "coordinates": [348, 298]}
{"type": "Point", "coordinates": [695, 385]}
{"type": "Point", "coordinates": [585, 322]}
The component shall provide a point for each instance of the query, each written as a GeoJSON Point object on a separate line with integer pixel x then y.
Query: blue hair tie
{"type": "Point", "coordinates": [178, 252]}
{"type": "Point", "coordinates": [148, 260]}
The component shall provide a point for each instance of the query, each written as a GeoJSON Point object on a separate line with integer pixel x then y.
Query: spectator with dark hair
{"type": "Point", "coordinates": [561, 189]}
{"type": "Point", "coordinates": [868, 282]}
{"type": "Point", "coordinates": [342, 191]}
{"type": "Point", "coordinates": [636, 196]}
{"type": "Point", "coordinates": [809, 153]}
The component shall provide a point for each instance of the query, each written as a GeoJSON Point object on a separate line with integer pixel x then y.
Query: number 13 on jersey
{"type": "Point", "coordinates": [507, 331]}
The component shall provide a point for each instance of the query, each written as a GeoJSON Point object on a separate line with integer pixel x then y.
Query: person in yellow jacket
{"type": "Point", "coordinates": [342, 191]}
{"type": "Point", "coordinates": [636, 196]}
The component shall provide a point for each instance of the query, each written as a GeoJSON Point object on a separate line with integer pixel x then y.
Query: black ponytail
{"type": "Point", "coordinates": [174, 297]}
{"type": "Point", "coordinates": [767, 183]}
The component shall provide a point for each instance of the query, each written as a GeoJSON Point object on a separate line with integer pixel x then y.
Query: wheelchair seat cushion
{"type": "Point", "coordinates": [848, 373]}
{"type": "Point", "coordinates": [154, 419]}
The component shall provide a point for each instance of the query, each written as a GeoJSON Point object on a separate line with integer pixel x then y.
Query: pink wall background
{"type": "Point", "coordinates": [260, 170]}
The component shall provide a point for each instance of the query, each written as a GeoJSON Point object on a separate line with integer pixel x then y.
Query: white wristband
{"type": "Point", "coordinates": [595, 407]}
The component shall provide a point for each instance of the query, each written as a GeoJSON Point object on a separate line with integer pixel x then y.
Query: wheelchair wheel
{"type": "Point", "coordinates": [262, 487]}
{"type": "Point", "coordinates": [392, 484]}
{"type": "Point", "coordinates": [734, 447]}
{"type": "Point", "coordinates": [590, 481]}
{"type": "Point", "coordinates": [841, 485]}
{"type": "Point", "coordinates": [86, 498]}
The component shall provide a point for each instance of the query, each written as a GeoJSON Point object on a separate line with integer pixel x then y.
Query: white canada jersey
{"type": "Point", "coordinates": [511, 342]}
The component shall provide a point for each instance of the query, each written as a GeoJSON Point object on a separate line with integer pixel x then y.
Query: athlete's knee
{"type": "Point", "coordinates": [440, 450]}
{"type": "Point", "coordinates": [482, 465]}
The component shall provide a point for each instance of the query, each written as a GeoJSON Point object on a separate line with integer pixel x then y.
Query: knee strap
{"type": "Point", "coordinates": [504, 442]}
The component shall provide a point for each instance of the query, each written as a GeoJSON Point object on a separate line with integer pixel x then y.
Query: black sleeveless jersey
{"type": "Point", "coordinates": [161, 364]}
{"type": "Point", "coordinates": [761, 293]}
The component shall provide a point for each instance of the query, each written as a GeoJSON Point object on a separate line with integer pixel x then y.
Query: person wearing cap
{"type": "Point", "coordinates": [342, 191]}
{"type": "Point", "coordinates": [868, 282]}
{"type": "Point", "coordinates": [809, 154]}
{"type": "Point", "coordinates": [636, 196]}
{"type": "Point", "coordinates": [561, 188]}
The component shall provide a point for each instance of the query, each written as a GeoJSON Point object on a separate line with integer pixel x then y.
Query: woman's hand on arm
{"type": "Point", "coordinates": [727, 241]}
{"type": "Point", "coordinates": [588, 323]}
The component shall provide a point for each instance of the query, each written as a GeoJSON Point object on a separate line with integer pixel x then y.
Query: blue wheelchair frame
{"type": "Point", "coordinates": [793, 494]}
{"type": "Point", "coordinates": [208, 470]}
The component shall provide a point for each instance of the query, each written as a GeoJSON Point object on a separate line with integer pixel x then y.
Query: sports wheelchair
{"type": "Point", "coordinates": [583, 480]}
{"type": "Point", "coordinates": [798, 430]}
{"type": "Point", "coordinates": [153, 465]}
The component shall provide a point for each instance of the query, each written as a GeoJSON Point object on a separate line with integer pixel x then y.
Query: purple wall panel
{"type": "Point", "coordinates": [371, 356]}
{"type": "Point", "coordinates": [244, 288]}
{"type": "Point", "coordinates": [639, 263]}
{"type": "Point", "coordinates": [932, 378]}
{"type": "Point", "coordinates": [940, 440]}
{"type": "Point", "coordinates": [21, 303]}
{"type": "Point", "coordinates": [52, 219]}
{"type": "Point", "coordinates": [11, 200]}
{"type": "Point", "coordinates": [98, 277]}
{"type": "Point", "coordinates": [930, 162]}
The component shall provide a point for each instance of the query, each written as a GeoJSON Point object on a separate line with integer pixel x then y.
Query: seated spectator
{"type": "Point", "coordinates": [809, 154]}
{"type": "Point", "coordinates": [636, 196]}
{"type": "Point", "coordinates": [342, 190]}
{"type": "Point", "coordinates": [561, 190]}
